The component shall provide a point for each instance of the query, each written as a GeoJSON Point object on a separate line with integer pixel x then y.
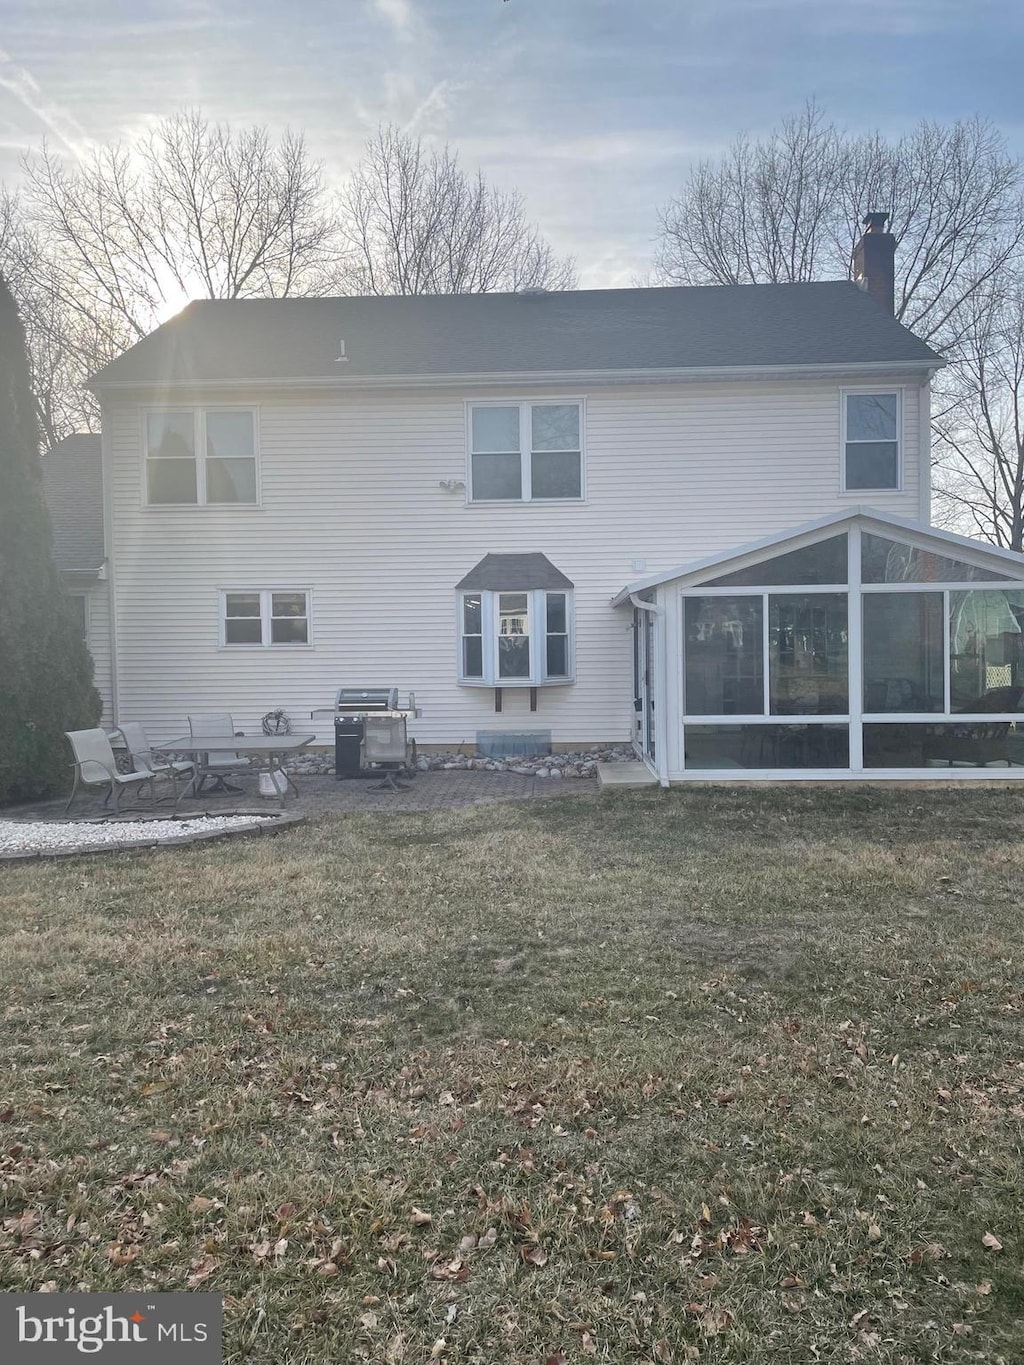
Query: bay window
{"type": "Point", "coordinates": [515, 639]}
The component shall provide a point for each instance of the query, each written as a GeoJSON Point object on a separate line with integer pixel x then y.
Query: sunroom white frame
{"type": "Point", "coordinates": [669, 591]}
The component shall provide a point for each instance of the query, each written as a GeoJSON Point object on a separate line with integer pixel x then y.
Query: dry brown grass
{"type": "Point", "coordinates": [723, 1075]}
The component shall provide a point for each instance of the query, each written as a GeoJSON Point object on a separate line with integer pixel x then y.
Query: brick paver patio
{"type": "Point", "coordinates": [319, 795]}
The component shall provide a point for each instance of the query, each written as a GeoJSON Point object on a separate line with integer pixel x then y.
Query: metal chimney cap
{"type": "Point", "coordinates": [875, 222]}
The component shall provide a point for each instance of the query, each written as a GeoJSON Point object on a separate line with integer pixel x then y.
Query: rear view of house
{"type": "Point", "coordinates": [588, 517]}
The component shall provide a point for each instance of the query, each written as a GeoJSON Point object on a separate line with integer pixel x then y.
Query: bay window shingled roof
{"type": "Point", "coordinates": [514, 573]}
{"type": "Point", "coordinates": [578, 331]}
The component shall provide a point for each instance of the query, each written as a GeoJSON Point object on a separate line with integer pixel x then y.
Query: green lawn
{"type": "Point", "coordinates": [723, 1075]}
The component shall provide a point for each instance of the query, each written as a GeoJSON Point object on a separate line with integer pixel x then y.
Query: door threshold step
{"type": "Point", "coordinates": [631, 774]}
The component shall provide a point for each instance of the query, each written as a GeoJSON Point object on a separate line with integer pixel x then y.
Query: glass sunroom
{"type": "Point", "coordinates": [859, 646]}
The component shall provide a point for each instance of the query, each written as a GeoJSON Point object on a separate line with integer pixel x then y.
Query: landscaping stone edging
{"type": "Point", "coordinates": [271, 823]}
{"type": "Point", "coordinates": [581, 764]}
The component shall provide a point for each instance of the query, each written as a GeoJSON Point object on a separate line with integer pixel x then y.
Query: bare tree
{"type": "Point", "coordinates": [979, 424]}
{"type": "Point", "coordinates": [58, 344]}
{"type": "Point", "coordinates": [789, 207]}
{"type": "Point", "coordinates": [192, 210]}
{"type": "Point", "coordinates": [100, 252]}
{"type": "Point", "coordinates": [415, 223]}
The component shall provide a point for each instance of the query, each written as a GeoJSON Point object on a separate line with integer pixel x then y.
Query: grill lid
{"type": "Point", "coordinates": [360, 699]}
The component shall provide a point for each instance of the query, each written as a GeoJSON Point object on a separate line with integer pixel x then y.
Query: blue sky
{"type": "Point", "coordinates": [595, 110]}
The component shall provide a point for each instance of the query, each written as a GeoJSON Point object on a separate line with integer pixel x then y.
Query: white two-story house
{"type": "Point", "coordinates": [694, 518]}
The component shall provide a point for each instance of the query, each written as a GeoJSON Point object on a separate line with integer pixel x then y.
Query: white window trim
{"type": "Point", "coordinates": [538, 619]}
{"type": "Point", "coordinates": [525, 431]}
{"type": "Point", "coordinates": [844, 393]}
{"type": "Point", "coordinates": [265, 596]}
{"type": "Point", "coordinates": [199, 411]}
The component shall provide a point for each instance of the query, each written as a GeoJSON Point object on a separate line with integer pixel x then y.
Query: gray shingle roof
{"type": "Point", "coordinates": [583, 331]}
{"type": "Point", "coordinates": [73, 487]}
{"type": "Point", "coordinates": [514, 573]}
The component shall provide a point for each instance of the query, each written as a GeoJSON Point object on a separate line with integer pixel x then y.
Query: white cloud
{"type": "Point", "coordinates": [399, 14]}
{"type": "Point", "coordinates": [20, 83]}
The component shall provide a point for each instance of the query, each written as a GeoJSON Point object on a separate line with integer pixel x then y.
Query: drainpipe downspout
{"type": "Point", "coordinates": [656, 612]}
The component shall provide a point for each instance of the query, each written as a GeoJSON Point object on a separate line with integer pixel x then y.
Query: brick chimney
{"type": "Point", "coordinates": [874, 261]}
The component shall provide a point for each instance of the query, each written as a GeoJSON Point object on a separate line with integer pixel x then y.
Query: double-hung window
{"type": "Point", "coordinates": [510, 639]}
{"type": "Point", "coordinates": [871, 440]}
{"type": "Point", "coordinates": [265, 617]}
{"type": "Point", "coordinates": [525, 452]}
{"type": "Point", "coordinates": [200, 457]}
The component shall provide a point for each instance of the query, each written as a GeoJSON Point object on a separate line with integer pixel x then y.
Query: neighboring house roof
{"type": "Point", "coordinates": [716, 327]}
{"type": "Point", "coordinates": [1008, 562]}
{"type": "Point", "coordinates": [73, 487]}
{"type": "Point", "coordinates": [514, 573]}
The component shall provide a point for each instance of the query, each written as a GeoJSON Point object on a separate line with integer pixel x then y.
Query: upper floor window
{"type": "Point", "coordinates": [525, 452]}
{"type": "Point", "coordinates": [515, 638]}
{"type": "Point", "coordinates": [265, 617]}
{"type": "Point", "coordinates": [871, 441]}
{"type": "Point", "coordinates": [200, 456]}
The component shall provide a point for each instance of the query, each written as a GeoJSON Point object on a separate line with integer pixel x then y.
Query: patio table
{"type": "Point", "coordinates": [265, 751]}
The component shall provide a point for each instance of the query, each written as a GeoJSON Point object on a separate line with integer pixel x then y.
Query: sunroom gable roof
{"type": "Point", "coordinates": [871, 519]}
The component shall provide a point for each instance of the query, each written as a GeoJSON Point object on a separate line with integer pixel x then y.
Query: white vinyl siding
{"type": "Point", "coordinates": [352, 507]}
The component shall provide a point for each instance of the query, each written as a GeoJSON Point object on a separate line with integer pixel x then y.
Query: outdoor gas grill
{"type": "Point", "coordinates": [352, 707]}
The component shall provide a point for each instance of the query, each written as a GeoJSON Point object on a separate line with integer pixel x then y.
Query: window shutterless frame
{"type": "Point", "coordinates": [526, 452]}
{"type": "Point", "coordinates": [199, 416]}
{"type": "Point", "coordinates": [266, 616]}
{"type": "Point", "coordinates": [844, 442]}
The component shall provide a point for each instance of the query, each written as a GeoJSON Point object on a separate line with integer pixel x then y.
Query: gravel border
{"type": "Point", "coordinates": [269, 823]}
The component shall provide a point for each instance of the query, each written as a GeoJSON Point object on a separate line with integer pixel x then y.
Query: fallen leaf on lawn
{"type": "Point", "coordinates": [488, 1239]}
{"type": "Point", "coordinates": [327, 1270]}
{"type": "Point", "coordinates": [281, 1247]}
{"type": "Point", "coordinates": [992, 1242]}
{"type": "Point", "coordinates": [23, 1224]}
{"type": "Point", "coordinates": [792, 1282]}
{"type": "Point", "coordinates": [588, 1345]}
{"type": "Point", "coordinates": [261, 1250]}
{"type": "Point", "coordinates": [874, 1232]}
{"type": "Point", "coordinates": [534, 1255]}
{"type": "Point", "coordinates": [121, 1255]}
{"type": "Point", "coordinates": [962, 1329]}
{"type": "Point", "coordinates": [156, 1087]}
{"type": "Point", "coordinates": [6, 1115]}
{"type": "Point", "coordinates": [202, 1270]}
{"type": "Point", "coordinates": [284, 1212]}
{"type": "Point", "coordinates": [984, 1288]}
{"type": "Point", "coordinates": [395, 1349]}
{"type": "Point", "coordinates": [200, 1204]}
{"type": "Point", "coordinates": [714, 1321]}
{"type": "Point", "coordinates": [931, 1251]}
{"type": "Point", "coordinates": [557, 1358]}
{"type": "Point", "coordinates": [437, 1348]}
{"type": "Point", "coordinates": [420, 1219]}
{"type": "Point", "coordinates": [369, 1321]}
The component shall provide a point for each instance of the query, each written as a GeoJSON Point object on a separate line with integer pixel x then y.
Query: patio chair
{"type": "Point", "coordinates": [217, 765]}
{"type": "Point", "coordinates": [385, 744]}
{"type": "Point", "coordinates": [95, 766]}
{"type": "Point", "coordinates": [144, 760]}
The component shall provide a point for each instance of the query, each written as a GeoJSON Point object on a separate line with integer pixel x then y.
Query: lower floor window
{"type": "Point", "coordinates": [265, 617]}
{"type": "Point", "coordinates": [510, 639]}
